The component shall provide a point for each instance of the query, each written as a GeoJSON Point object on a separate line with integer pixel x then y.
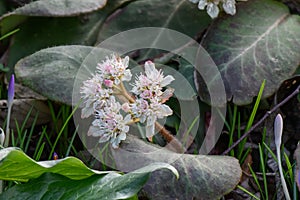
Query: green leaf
{"type": "Point", "coordinates": [260, 42]}
{"type": "Point", "coordinates": [179, 15]}
{"type": "Point", "coordinates": [15, 165]}
{"type": "Point", "coordinates": [81, 30]}
{"type": "Point", "coordinates": [68, 178]}
{"type": "Point", "coordinates": [51, 72]}
{"type": "Point", "coordinates": [49, 8]}
{"type": "Point", "coordinates": [2, 7]}
{"type": "Point", "coordinates": [59, 8]}
{"type": "Point", "coordinates": [60, 31]}
{"type": "Point", "coordinates": [201, 176]}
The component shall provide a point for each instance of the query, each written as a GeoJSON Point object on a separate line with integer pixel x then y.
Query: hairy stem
{"type": "Point", "coordinates": [176, 145]}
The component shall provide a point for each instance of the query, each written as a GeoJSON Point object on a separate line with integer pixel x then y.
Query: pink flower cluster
{"type": "Point", "coordinates": [147, 105]}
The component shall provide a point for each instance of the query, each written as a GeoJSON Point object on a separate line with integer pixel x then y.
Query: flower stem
{"type": "Point", "coordinates": [7, 132]}
{"type": "Point", "coordinates": [162, 130]}
{"type": "Point", "coordinates": [126, 94]}
{"type": "Point", "coordinates": [176, 145]}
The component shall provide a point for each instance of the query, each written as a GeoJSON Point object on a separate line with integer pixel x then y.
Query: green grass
{"type": "Point", "coordinates": [9, 34]}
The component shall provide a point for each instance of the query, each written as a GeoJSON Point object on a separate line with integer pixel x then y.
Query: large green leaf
{"type": "Point", "coordinates": [260, 42]}
{"type": "Point", "coordinates": [17, 166]}
{"type": "Point", "coordinates": [179, 15]}
{"type": "Point", "coordinates": [33, 36]}
{"type": "Point", "coordinates": [201, 176]}
{"type": "Point", "coordinates": [59, 7]}
{"type": "Point", "coordinates": [51, 72]}
{"type": "Point", "coordinates": [48, 8]}
{"type": "Point", "coordinates": [68, 178]}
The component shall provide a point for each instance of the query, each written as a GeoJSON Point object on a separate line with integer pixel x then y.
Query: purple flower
{"type": "Point", "coordinates": [11, 90]}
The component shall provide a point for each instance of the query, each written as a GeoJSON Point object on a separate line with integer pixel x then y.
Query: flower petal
{"type": "Point", "coordinates": [202, 4]}
{"type": "Point", "coordinates": [104, 138]}
{"type": "Point", "coordinates": [150, 69]}
{"type": "Point", "coordinates": [126, 61]}
{"type": "Point", "coordinates": [167, 80]}
{"type": "Point", "coordinates": [150, 131]}
{"type": "Point", "coordinates": [86, 112]}
{"type": "Point", "coordinates": [212, 10]}
{"type": "Point", "coordinates": [122, 136]}
{"type": "Point", "coordinates": [165, 110]}
{"type": "Point", "coordinates": [229, 7]}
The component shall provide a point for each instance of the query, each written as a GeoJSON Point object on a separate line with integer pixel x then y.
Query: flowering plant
{"type": "Point", "coordinates": [212, 6]}
{"type": "Point", "coordinates": [145, 104]}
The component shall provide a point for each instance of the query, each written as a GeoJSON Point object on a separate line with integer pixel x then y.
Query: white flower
{"type": "Point", "coordinates": [114, 68]}
{"type": "Point", "coordinates": [212, 10]}
{"type": "Point", "coordinates": [156, 76]}
{"type": "Point", "coordinates": [229, 6]}
{"type": "Point", "coordinates": [156, 110]}
{"type": "Point", "coordinates": [202, 4]}
{"type": "Point", "coordinates": [94, 95]}
{"type": "Point", "coordinates": [152, 83]}
{"type": "Point", "coordinates": [212, 6]}
{"type": "Point", "coordinates": [150, 97]}
{"type": "Point", "coordinates": [109, 124]}
{"type": "Point", "coordinates": [147, 106]}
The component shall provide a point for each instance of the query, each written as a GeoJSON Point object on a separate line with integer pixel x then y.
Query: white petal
{"type": "Point", "coordinates": [104, 138]}
{"type": "Point", "coordinates": [126, 61]}
{"type": "Point", "coordinates": [127, 75]}
{"type": "Point", "coordinates": [229, 7]}
{"type": "Point", "coordinates": [122, 136]}
{"type": "Point", "coordinates": [150, 69]}
{"type": "Point", "coordinates": [278, 126]}
{"type": "Point", "coordinates": [212, 10]}
{"type": "Point", "coordinates": [150, 131]}
{"type": "Point", "coordinates": [165, 111]}
{"type": "Point", "coordinates": [151, 120]}
{"type": "Point", "coordinates": [86, 112]}
{"type": "Point", "coordinates": [202, 4]}
{"type": "Point", "coordinates": [92, 130]}
{"type": "Point", "coordinates": [167, 80]}
{"type": "Point", "coordinates": [2, 136]}
{"type": "Point", "coordinates": [127, 119]}
{"type": "Point", "coordinates": [142, 118]}
{"type": "Point", "coordinates": [115, 143]}
{"type": "Point", "coordinates": [194, 1]}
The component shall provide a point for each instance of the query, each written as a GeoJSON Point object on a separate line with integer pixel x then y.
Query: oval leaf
{"type": "Point", "coordinates": [51, 72]}
{"type": "Point", "coordinates": [259, 42]}
{"type": "Point", "coordinates": [48, 8]}
{"type": "Point", "coordinates": [179, 15]}
{"type": "Point", "coordinates": [82, 30]}
{"type": "Point", "coordinates": [61, 8]}
{"type": "Point", "coordinates": [15, 165]}
{"type": "Point", "coordinates": [68, 178]}
{"type": "Point", "coordinates": [201, 176]}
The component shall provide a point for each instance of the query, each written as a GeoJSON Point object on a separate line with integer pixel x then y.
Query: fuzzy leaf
{"type": "Point", "coordinates": [51, 72]}
{"type": "Point", "coordinates": [260, 42]}
{"type": "Point", "coordinates": [77, 30]}
{"type": "Point", "coordinates": [201, 176]}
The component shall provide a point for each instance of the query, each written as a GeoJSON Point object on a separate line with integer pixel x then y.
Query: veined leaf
{"type": "Point", "coordinates": [260, 42]}
{"type": "Point", "coordinates": [36, 71]}
{"type": "Point", "coordinates": [48, 8]}
{"type": "Point", "coordinates": [69, 178]}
